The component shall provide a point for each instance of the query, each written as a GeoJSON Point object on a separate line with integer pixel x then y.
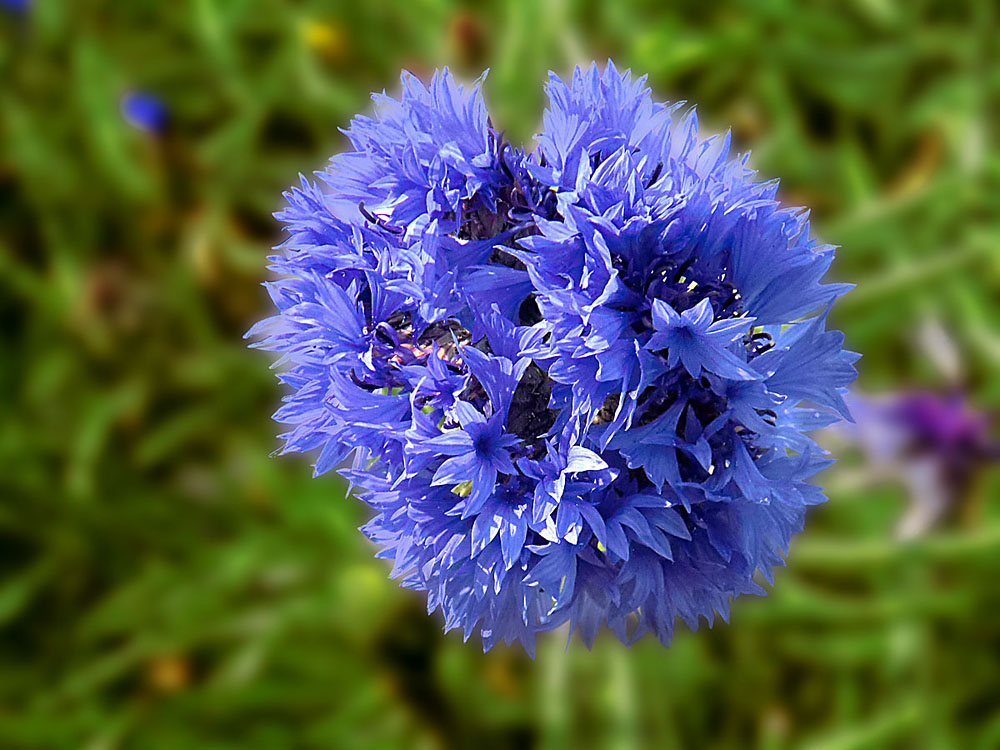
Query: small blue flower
{"type": "Point", "coordinates": [573, 385]}
{"type": "Point", "coordinates": [16, 6]}
{"type": "Point", "coordinates": [479, 449]}
{"type": "Point", "coordinates": [144, 111]}
{"type": "Point", "coordinates": [692, 338]}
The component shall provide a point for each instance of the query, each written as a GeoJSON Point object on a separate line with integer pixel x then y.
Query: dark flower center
{"type": "Point", "coordinates": [484, 444]}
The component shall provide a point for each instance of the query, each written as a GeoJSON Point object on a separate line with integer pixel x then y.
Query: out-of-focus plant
{"type": "Point", "coordinates": [164, 584]}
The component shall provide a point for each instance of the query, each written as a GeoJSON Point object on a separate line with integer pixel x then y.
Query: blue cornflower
{"type": "Point", "coordinates": [16, 6]}
{"type": "Point", "coordinates": [572, 384]}
{"type": "Point", "coordinates": [144, 111]}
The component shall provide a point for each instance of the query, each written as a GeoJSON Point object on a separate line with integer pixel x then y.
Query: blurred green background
{"type": "Point", "coordinates": [165, 583]}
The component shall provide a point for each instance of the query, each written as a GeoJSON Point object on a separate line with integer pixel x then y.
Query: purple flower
{"type": "Point", "coordinates": [572, 384]}
{"type": "Point", "coordinates": [933, 443]}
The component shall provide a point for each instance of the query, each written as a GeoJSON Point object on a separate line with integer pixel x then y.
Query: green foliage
{"type": "Point", "coordinates": [167, 584]}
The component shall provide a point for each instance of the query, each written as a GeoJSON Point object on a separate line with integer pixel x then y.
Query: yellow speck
{"type": "Point", "coordinates": [464, 489]}
{"type": "Point", "coordinates": [168, 673]}
{"type": "Point", "coordinates": [328, 39]}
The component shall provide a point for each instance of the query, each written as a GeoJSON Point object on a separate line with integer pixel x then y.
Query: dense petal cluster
{"type": "Point", "coordinates": [572, 384]}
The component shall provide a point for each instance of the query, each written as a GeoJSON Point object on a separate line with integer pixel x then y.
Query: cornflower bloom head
{"type": "Point", "coordinates": [144, 111]}
{"type": "Point", "coordinates": [572, 384]}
